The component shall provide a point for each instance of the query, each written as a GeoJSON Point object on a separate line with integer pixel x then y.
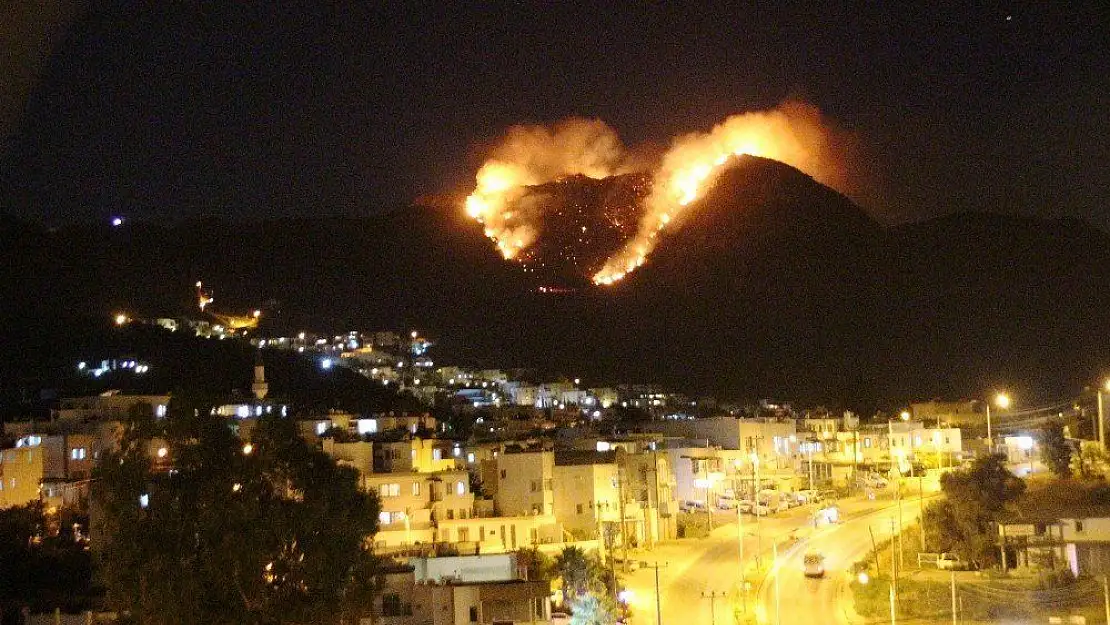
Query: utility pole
{"type": "Point", "coordinates": [990, 443]}
{"type": "Point", "coordinates": [901, 550]}
{"type": "Point", "coordinates": [893, 580]}
{"type": "Point", "coordinates": [778, 602]}
{"type": "Point", "coordinates": [1102, 419]}
{"type": "Point", "coordinates": [658, 602]}
{"type": "Point", "coordinates": [952, 577]}
{"type": "Point", "coordinates": [921, 511]}
{"type": "Point", "coordinates": [713, 596]}
{"type": "Point", "coordinates": [1106, 597]}
{"type": "Point", "coordinates": [743, 572]}
{"type": "Point", "coordinates": [624, 526]}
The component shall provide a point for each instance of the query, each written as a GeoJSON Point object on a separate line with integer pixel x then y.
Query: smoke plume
{"type": "Point", "coordinates": [793, 133]}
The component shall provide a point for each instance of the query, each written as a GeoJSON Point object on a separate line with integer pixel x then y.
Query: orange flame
{"type": "Point", "coordinates": [793, 133]}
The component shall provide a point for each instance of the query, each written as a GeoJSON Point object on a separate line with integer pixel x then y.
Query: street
{"type": "Point", "coordinates": [798, 599]}
{"type": "Point", "coordinates": [696, 570]}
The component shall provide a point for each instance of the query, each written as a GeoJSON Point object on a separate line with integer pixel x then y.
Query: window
{"type": "Point", "coordinates": [367, 426]}
{"type": "Point", "coordinates": [1078, 525]}
{"type": "Point", "coordinates": [535, 485]}
{"type": "Point", "coordinates": [502, 473]}
{"type": "Point", "coordinates": [437, 454]}
{"type": "Point", "coordinates": [416, 489]}
{"type": "Point", "coordinates": [460, 488]}
{"type": "Point", "coordinates": [578, 509]}
{"type": "Point", "coordinates": [77, 453]}
{"type": "Point", "coordinates": [392, 605]}
{"type": "Point", "coordinates": [473, 614]}
{"type": "Point", "coordinates": [383, 518]}
{"type": "Point", "coordinates": [867, 442]}
{"type": "Point", "coordinates": [321, 427]}
{"type": "Point", "coordinates": [470, 457]}
{"type": "Point", "coordinates": [464, 534]}
{"type": "Point", "coordinates": [390, 490]}
{"type": "Point", "coordinates": [450, 514]}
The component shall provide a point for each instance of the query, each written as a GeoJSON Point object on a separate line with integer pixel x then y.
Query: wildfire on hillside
{"type": "Point", "coordinates": [535, 227]}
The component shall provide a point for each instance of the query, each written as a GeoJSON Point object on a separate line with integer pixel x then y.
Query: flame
{"type": "Point", "coordinates": [792, 133]}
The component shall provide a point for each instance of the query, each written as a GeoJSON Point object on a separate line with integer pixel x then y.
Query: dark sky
{"type": "Point", "coordinates": [164, 110]}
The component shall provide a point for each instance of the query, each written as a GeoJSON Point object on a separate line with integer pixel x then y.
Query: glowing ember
{"type": "Point", "coordinates": [793, 134]}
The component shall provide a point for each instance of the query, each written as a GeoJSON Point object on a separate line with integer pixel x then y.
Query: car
{"type": "Point", "coordinates": [691, 505]}
{"type": "Point", "coordinates": [726, 503]}
{"type": "Point", "coordinates": [951, 562]}
{"type": "Point", "coordinates": [808, 496]}
{"type": "Point", "coordinates": [760, 509]}
{"type": "Point", "coordinates": [560, 618]}
{"type": "Point", "coordinates": [745, 505]}
{"type": "Point", "coordinates": [783, 506]}
{"type": "Point", "coordinates": [813, 564]}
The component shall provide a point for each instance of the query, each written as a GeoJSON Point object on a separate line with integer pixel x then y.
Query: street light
{"type": "Point", "coordinates": [1101, 414]}
{"type": "Point", "coordinates": [905, 415]}
{"type": "Point", "coordinates": [1002, 400]}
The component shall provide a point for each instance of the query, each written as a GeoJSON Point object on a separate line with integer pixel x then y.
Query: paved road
{"type": "Point", "coordinates": [826, 600]}
{"type": "Point", "coordinates": [704, 567]}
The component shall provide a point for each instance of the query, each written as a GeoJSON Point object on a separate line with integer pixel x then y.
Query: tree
{"type": "Point", "coordinates": [593, 609]}
{"type": "Point", "coordinates": [212, 533]}
{"type": "Point", "coordinates": [42, 566]}
{"type": "Point", "coordinates": [1091, 462]}
{"type": "Point", "coordinates": [1055, 450]}
{"type": "Point", "coordinates": [975, 499]}
{"type": "Point", "coordinates": [537, 564]}
{"type": "Point", "coordinates": [580, 573]}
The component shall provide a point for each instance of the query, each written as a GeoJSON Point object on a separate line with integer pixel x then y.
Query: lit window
{"type": "Point", "coordinates": [160, 410]}
{"type": "Point", "coordinates": [416, 488]}
{"type": "Point", "coordinates": [460, 488]}
{"type": "Point", "coordinates": [383, 518]}
{"type": "Point", "coordinates": [144, 500]}
{"type": "Point", "coordinates": [437, 454]}
{"type": "Point", "coordinates": [321, 427]}
{"type": "Point", "coordinates": [867, 442]}
{"type": "Point", "coordinates": [367, 426]}
{"type": "Point", "coordinates": [77, 453]}
{"type": "Point", "coordinates": [457, 452]}
{"type": "Point", "coordinates": [242, 412]}
{"type": "Point", "coordinates": [470, 457]}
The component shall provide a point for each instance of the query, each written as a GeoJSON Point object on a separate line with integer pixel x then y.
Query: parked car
{"type": "Point", "coordinates": [951, 562]}
{"type": "Point", "coordinates": [691, 505]}
{"type": "Point", "coordinates": [726, 503]}
{"type": "Point", "coordinates": [745, 505]}
{"type": "Point", "coordinates": [760, 509]}
{"type": "Point", "coordinates": [560, 618]}
{"type": "Point", "coordinates": [813, 564]}
{"type": "Point", "coordinates": [808, 496]}
{"type": "Point", "coordinates": [784, 505]}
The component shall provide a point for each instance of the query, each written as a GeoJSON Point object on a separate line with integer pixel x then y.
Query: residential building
{"type": "Point", "coordinates": [111, 405]}
{"type": "Point", "coordinates": [525, 483]}
{"type": "Point", "coordinates": [588, 491]}
{"type": "Point", "coordinates": [458, 592]}
{"type": "Point", "coordinates": [413, 504]}
{"type": "Point", "coordinates": [21, 473]}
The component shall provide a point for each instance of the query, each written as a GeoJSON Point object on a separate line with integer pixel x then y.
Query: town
{"type": "Point", "coordinates": [500, 498]}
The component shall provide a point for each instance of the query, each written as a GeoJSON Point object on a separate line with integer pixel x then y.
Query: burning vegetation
{"type": "Point", "coordinates": [570, 201]}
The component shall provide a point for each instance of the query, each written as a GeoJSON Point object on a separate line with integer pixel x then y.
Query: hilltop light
{"type": "Point", "coordinates": [121, 319]}
{"type": "Point", "coordinates": [1002, 400]}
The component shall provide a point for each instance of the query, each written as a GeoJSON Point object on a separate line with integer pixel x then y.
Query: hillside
{"type": "Point", "coordinates": [773, 286]}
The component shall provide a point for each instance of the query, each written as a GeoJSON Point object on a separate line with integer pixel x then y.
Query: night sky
{"type": "Point", "coordinates": [256, 110]}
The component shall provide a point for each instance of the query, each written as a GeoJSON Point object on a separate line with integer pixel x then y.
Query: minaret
{"type": "Point", "coordinates": [260, 387]}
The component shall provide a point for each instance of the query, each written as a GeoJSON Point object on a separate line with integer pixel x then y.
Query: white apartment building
{"type": "Point", "coordinates": [525, 483]}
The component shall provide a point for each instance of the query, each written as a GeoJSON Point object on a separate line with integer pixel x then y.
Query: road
{"type": "Point", "coordinates": [696, 569]}
{"type": "Point", "coordinates": [788, 597]}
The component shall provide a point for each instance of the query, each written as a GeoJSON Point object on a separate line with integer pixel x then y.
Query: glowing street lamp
{"type": "Point", "coordinates": [248, 449]}
{"type": "Point", "coordinates": [1002, 401]}
{"type": "Point", "coordinates": [905, 415]}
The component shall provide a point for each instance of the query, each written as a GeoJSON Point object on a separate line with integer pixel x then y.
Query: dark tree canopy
{"type": "Point", "coordinates": [975, 498]}
{"type": "Point", "coordinates": [212, 533]}
{"type": "Point", "coordinates": [1055, 450]}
